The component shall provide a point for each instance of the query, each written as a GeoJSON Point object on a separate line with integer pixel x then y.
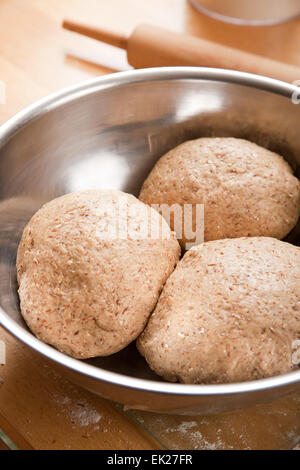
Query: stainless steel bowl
{"type": "Point", "coordinates": [108, 133]}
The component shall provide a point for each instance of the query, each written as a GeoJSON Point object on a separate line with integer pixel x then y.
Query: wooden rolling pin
{"type": "Point", "coordinates": [152, 46]}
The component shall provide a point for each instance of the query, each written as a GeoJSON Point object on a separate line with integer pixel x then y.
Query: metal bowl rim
{"type": "Point", "coordinates": [44, 105]}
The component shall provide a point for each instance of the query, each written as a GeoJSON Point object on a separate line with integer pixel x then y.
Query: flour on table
{"type": "Point", "coordinates": [80, 412]}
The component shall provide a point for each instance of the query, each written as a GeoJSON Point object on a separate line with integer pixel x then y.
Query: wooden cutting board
{"type": "Point", "coordinates": [38, 408]}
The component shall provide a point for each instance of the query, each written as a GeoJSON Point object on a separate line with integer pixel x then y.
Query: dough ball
{"type": "Point", "coordinates": [246, 190]}
{"type": "Point", "coordinates": [230, 312]}
{"type": "Point", "coordinates": [82, 289]}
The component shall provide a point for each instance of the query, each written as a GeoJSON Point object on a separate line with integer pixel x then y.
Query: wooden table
{"type": "Point", "coordinates": [38, 408]}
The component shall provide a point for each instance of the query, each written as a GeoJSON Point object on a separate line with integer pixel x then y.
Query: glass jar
{"type": "Point", "coordinates": [249, 12]}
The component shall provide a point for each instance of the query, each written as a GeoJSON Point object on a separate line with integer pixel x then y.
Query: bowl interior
{"type": "Point", "coordinates": [110, 137]}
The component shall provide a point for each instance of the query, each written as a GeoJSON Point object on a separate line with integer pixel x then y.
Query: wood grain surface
{"type": "Point", "coordinates": [38, 408]}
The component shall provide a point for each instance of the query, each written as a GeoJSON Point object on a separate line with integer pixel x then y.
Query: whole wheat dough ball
{"type": "Point", "coordinates": [246, 190]}
{"type": "Point", "coordinates": [230, 312]}
{"type": "Point", "coordinates": [83, 289]}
